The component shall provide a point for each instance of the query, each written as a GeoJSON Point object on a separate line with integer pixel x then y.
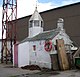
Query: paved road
{"type": "Point", "coordinates": [68, 73]}
{"type": "Point", "coordinates": [8, 71]}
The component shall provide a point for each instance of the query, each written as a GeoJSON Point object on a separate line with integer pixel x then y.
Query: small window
{"type": "Point", "coordinates": [34, 47]}
{"type": "Point", "coordinates": [41, 24]}
{"type": "Point", "coordinates": [31, 24]}
{"type": "Point", "coordinates": [36, 23]}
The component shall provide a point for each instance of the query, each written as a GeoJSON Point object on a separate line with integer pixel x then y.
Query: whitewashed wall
{"type": "Point", "coordinates": [34, 31]}
{"type": "Point", "coordinates": [39, 56]}
{"type": "Point", "coordinates": [23, 54]}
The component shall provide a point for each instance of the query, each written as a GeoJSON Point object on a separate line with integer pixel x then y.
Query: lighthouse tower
{"type": "Point", "coordinates": [35, 24]}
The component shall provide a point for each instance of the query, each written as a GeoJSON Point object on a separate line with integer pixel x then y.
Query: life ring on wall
{"type": "Point", "coordinates": [48, 46]}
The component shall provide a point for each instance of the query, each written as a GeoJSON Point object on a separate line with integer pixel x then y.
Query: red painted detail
{"type": "Point", "coordinates": [15, 54]}
{"type": "Point", "coordinates": [48, 46]}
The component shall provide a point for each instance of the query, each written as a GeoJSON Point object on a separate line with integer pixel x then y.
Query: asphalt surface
{"type": "Point", "coordinates": [9, 71]}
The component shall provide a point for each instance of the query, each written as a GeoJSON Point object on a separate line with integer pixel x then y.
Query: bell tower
{"type": "Point", "coordinates": [35, 24]}
{"type": "Point", "coordinates": [60, 24]}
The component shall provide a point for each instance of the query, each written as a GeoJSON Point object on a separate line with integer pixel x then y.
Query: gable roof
{"type": "Point", "coordinates": [43, 36]}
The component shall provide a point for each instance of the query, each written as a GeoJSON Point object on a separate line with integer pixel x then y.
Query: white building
{"type": "Point", "coordinates": [39, 47]}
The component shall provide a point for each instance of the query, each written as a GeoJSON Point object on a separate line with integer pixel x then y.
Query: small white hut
{"type": "Point", "coordinates": [39, 47]}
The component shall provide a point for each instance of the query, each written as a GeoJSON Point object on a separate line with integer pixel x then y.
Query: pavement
{"type": "Point", "coordinates": [68, 73]}
{"type": "Point", "coordinates": [9, 71]}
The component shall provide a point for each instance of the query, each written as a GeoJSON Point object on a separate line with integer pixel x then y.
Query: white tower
{"type": "Point", "coordinates": [35, 24]}
{"type": "Point", "coordinates": [60, 24]}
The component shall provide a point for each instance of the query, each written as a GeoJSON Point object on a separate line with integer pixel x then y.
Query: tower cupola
{"type": "Point", "coordinates": [35, 24]}
{"type": "Point", "coordinates": [60, 23]}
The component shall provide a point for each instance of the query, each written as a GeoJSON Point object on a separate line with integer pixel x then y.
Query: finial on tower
{"type": "Point", "coordinates": [36, 4]}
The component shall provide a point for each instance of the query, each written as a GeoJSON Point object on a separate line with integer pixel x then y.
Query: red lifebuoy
{"type": "Point", "coordinates": [48, 46]}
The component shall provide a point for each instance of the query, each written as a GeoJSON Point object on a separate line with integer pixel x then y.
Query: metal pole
{"type": "Point", "coordinates": [8, 29]}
